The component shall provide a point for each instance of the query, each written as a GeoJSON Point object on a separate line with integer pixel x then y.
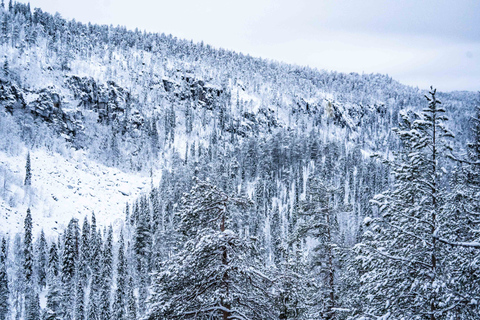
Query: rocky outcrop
{"type": "Point", "coordinates": [10, 96]}
{"type": "Point", "coordinates": [48, 106]}
{"type": "Point", "coordinates": [45, 104]}
{"type": "Point", "coordinates": [109, 100]}
{"type": "Point", "coordinates": [187, 87]}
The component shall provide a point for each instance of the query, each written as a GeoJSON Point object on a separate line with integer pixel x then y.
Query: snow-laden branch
{"type": "Point", "coordinates": [470, 244]}
{"type": "Point", "coordinates": [402, 259]}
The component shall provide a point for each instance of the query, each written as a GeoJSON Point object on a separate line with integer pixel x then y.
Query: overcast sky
{"type": "Point", "coordinates": [418, 42]}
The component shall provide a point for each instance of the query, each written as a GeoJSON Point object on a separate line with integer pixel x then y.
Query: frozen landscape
{"type": "Point", "coordinates": [143, 176]}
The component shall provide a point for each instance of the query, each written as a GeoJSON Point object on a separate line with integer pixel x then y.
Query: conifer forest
{"type": "Point", "coordinates": [148, 177]}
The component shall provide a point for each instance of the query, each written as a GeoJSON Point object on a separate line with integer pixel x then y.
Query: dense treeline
{"type": "Point", "coordinates": [284, 191]}
{"type": "Point", "coordinates": [247, 253]}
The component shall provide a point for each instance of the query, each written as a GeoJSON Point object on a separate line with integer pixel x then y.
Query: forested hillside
{"type": "Point", "coordinates": [148, 177]}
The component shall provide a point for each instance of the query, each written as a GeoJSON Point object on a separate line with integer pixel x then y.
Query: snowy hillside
{"type": "Point", "coordinates": [64, 188]}
{"type": "Point", "coordinates": [225, 186]}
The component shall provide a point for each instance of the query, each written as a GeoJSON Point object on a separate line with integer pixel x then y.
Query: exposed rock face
{"type": "Point", "coordinates": [10, 96]}
{"type": "Point", "coordinates": [189, 88]}
{"type": "Point", "coordinates": [109, 100]}
{"type": "Point", "coordinates": [45, 104]}
{"type": "Point", "coordinates": [48, 107]}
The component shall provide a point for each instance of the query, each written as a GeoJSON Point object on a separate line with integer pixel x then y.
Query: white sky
{"type": "Point", "coordinates": [418, 42]}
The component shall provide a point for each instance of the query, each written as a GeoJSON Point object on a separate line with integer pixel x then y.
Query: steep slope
{"type": "Point", "coordinates": [141, 101]}
{"type": "Point", "coordinates": [64, 187]}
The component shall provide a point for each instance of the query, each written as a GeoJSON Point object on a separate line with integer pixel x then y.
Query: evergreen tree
{"type": "Point", "coordinates": [79, 301]}
{"type": "Point", "coordinates": [32, 311]}
{"type": "Point", "coordinates": [131, 300]}
{"type": "Point", "coordinates": [294, 289]}
{"type": "Point", "coordinates": [28, 171]}
{"type": "Point", "coordinates": [461, 240]}
{"type": "Point", "coordinates": [278, 247]}
{"type": "Point", "coordinates": [216, 273]}
{"type": "Point", "coordinates": [143, 248]}
{"type": "Point", "coordinates": [84, 254]}
{"type": "Point", "coordinates": [30, 306]}
{"type": "Point", "coordinates": [6, 66]}
{"type": "Point", "coordinates": [94, 243]}
{"type": "Point", "coordinates": [107, 274]}
{"type": "Point", "coordinates": [69, 268]}
{"type": "Point", "coordinates": [319, 220]}
{"type": "Point", "coordinates": [93, 312]}
{"type": "Point", "coordinates": [120, 301]}
{"type": "Point", "coordinates": [17, 288]}
{"type": "Point", "coordinates": [42, 260]}
{"type": "Point", "coordinates": [403, 265]}
{"type": "Point", "coordinates": [28, 249]}
{"type": "Point", "coordinates": [54, 293]}
{"type": "Point", "coordinates": [96, 257]}
{"type": "Point", "coordinates": [4, 291]}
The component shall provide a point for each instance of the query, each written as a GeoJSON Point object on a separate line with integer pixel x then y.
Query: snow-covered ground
{"type": "Point", "coordinates": [62, 188]}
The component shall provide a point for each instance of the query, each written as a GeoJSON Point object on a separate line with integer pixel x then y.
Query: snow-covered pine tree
{"type": "Point", "coordinates": [79, 300]}
{"type": "Point", "coordinates": [28, 249]}
{"type": "Point", "coordinates": [42, 260]}
{"type": "Point", "coordinates": [461, 238]}
{"type": "Point", "coordinates": [93, 311]}
{"type": "Point", "coordinates": [30, 311]}
{"type": "Point", "coordinates": [28, 171]}
{"type": "Point", "coordinates": [127, 213]}
{"type": "Point", "coordinates": [54, 287]}
{"type": "Point", "coordinates": [4, 292]}
{"type": "Point", "coordinates": [293, 286]}
{"type": "Point", "coordinates": [403, 269]}
{"type": "Point", "coordinates": [107, 274]}
{"type": "Point", "coordinates": [216, 274]}
{"type": "Point", "coordinates": [318, 219]}
{"type": "Point", "coordinates": [277, 239]}
{"type": "Point", "coordinates": [84, 254]}
{"type": "Point", "coordinates": [69, 269]}
{"type": "Point", "coordinates": [157, 227]}
{"type": "Point", "coordinates": [131, 300]}
{"type": "Point", "coordinates": [94, 243]}
{"type": "Point", "coordinates": [143, 248]}
{"type": "Point", "coordinates": [17, 288]}
{"type": "Point", "coordinates": [120, 301]}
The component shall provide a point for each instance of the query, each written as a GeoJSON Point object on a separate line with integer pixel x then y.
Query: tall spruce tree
{"type": "Point", "coordinates": [319, 220]}
{"type": "Point", "coordinates": [106, 279]}
{"type": "Point", "coordinates": [79, 300]}
{"type": "Point", "coordinates": [96, 254]}
{"type": "Point", "coordinates": [84, 254]}
{"type": "Point", "coordinates": [131, 300]}
{"type": "Point", "coordinates": [28, 249]}
{"type": "Point", "coordinates": [143, 248]}
{"type": "Point", "coordinates": [461, 240]}
{"type": "Point", "coordinates": [42, 260]}
{"type": "Point", "coordinates": [216, 273]}
{"type": "Point", "coordinates": [28, 171]}
{"type": "Point", "coordinates": [54, 286]}
{"type": "Point", "coordinates": [403, 265]}
{"type": "Point", "coordinates": [30, 306]}
{"type": "Point", "coordinates": [120, 301]}
{"type": "Point", "coordinates": [69, 269]}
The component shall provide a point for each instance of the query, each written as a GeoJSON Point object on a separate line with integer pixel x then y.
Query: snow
{"type": "Point", "coordinates": [367, 221]}
{"type": "Point", "coordinates": [63, 187]}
